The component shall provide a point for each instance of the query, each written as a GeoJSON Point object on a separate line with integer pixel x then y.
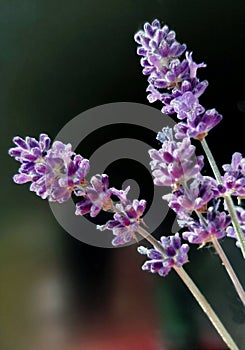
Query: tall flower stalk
{"type": "Point", "coordinates": [229, 269]}
{"type": "Point", "coordinates": [171, 254]}
{"type": "Point", "coordinates": [56, 173]}
{"type": "Point", "coordinates": [227, 197]}
{"type": "Point", "coordinates": [175, 83]}
{"type": "Point", "coordinates": [203, 205]}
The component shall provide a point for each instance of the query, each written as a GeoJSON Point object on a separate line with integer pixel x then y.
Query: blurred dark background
{"type": "Point", "coordinates": [57, 59]}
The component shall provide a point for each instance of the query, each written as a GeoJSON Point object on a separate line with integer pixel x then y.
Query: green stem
{"type": "Point", "coordinates": [229, 269]}
{"type": "Point", "coordinates": [156, 244]}
{"type": "Point", "coordinates": [206, 308]}
{"type": "Point", "coordinates": [212, 161]}
{"type": "Point", "coordinates": [227, 198]}
{"type": "Point", "coordinates": [195, 292]}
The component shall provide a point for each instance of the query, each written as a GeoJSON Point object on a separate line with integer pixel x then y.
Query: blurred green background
{"type": "Point", "coordinates": [57, 59]}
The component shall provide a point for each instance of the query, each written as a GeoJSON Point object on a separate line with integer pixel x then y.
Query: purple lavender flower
{"type": "Point", "coordinates": [174, 163]}
{"type": "Point", "coordinates": [165, 135]}
{"type": "Point", "coordinates": [155, 95]}
{"type": "Point", "coordinates": [158, 47]}
{"type": "Point", "coordinates": [54, 172]}
{"type": "Point", "coordinates": [161, 53]}
{"type": "Point", "coordinates": [28, 152]}
{"type": "Point", "coordinates": [121, 195]}
{"type": "Point", "coordinates": [199, 127]}
{"type": "Point", "coordinates": [234, 177]}
{"type": "Point", "coordinates": [213, 224]}
{"type": "Point", "coordinates": [173, 77]}
{"type": "Point", "coordinates": [193, 66]}
{"type": "Point", "coordinates": [60, 174]}
{"type": "Point", "coordinates": [193, 86]}
{"type": "Point", "coordinates": [126, 221]}
{"type": "Point", "coordinates": [173, 255]}
{"type": "Point", "coordinates": [187, 106]}
{"type": "Point", "coordinates": [96, 197]}
{"type": "Point", "coordinates": [241, 219]}
{"type": "Point", "coordinates": [194, 197]}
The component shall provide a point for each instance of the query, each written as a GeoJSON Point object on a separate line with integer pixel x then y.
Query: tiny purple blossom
{"type": "Point", "coordinates": [29, 151]}
{"type": "Point", "coordinates": [199, 127]}
{"type": "Point", "coordinates": [187, 106]}
{"type": "Point", "coordinates": [194, 86]}
{"type": "Point", "coordinates": [29, 146]}
{"type": "Point", "coordinates": [126, 221]}
{"type": "Point", "coordinates": [165, 135]}
{"type": "Point", "coordinates": [241, 219]}
{"type": "Point", "coordinates": [60, 174]}
{"type": "Point", "coordinates": [174, 163]}
{"type": "Point", "coordinates": [53, 171]}
{"type": "Point", "coordinates": [193, 66]}
{"type": "Point", "coordinates": [194, 197]}
{"type": "Point", "coordinates": [158, 47]}
{"type": "Point", "coordinates": [121, 195]}
{"type": "Point", "coordinates": [154, 94]}
{"type": "Point", "coordinates": [234, 177]}
{"type": "Point", "coordinates": [174, 254]}
{"type": "Point", "coordinates": [212, 225]}
{"type": "Point", "coordinates": [96, 197]}
{"type": "Point", "coordinates": [176, 73]}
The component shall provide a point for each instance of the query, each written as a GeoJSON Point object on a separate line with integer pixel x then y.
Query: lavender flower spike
{"type": "Point", "coordinates": [234, 177]}
{"type": "Point", "coordinates": [29, 152]}
{"type": "Point", "coordinates": [161, 61]}
{"type": "Point", "coordinates": [126, 221]}
{"type": "Point", "coordinates": [202, 231]}
{"type": "Point", "coordinates": [174, 163]}
{"type": "Point", "coordinates": [54, 172]}
{"type": "Point", "coordinates": [175, 255]}
{"type": "Point", "coordinates": [158, 47]}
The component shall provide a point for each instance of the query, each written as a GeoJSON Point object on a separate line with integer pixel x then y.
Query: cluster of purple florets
{"type": "Point", "coordinates": [173, 254]}
{"type": "Point", "coordinates": [195, 198]}
{"type": "Point", "coordinates": [173, 80]}
{"type": "Point", "coordinates": [55, 172]}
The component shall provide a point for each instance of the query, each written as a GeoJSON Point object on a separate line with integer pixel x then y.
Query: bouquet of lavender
{"type": "Point", "coordinates": [207, 208]}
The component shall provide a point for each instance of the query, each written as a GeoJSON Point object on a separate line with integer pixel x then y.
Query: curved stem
{"type": "Point", "coordinates": [229, 269]}
{"type": "Point", "coordinates": [206, 308]}
{"type": "Point", "coordinates": [227, 198]}
{"type": "Point", "coordinates": [195, 292]}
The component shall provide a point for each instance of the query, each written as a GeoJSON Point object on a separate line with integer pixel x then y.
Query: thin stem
{"type": "Point", "coordinates": [195, 292]}
{"type": "Point", "coordinates": [202, 218]}
{"type": "Point", "coordinates": [226, 263]}
{"type": "Point", "coordinates": [227, 198]}
{"type": "Point", "coordinates": [212, 161]}
{"type": "Point", "coordinates": [229, 269]}
{"type": "Point", "coordinates": [156, 244]}
{"type": "Point", "coordinates": [237, 228]}
{"type": "Point", "coordinates": [206, 308]}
